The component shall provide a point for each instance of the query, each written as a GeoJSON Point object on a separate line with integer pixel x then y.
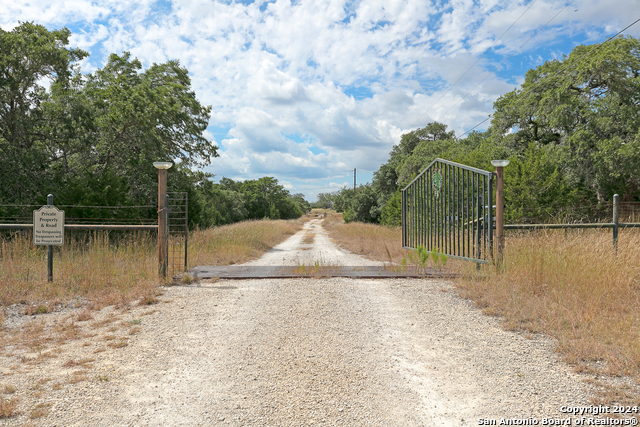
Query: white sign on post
{"type": "Point", "coordinates": [48, 226]}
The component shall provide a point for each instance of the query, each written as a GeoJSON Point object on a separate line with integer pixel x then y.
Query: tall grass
{"type": "Point", "coordinates": [119, 268]}
{"type": "Point", "coordinates": [238, 243]}
{"type": "Point", "coordinates": [573, 287]}
{"type": "Point", "coordinates": [372, 241]}
{"type": "Point", "coordinates": [90, 266]}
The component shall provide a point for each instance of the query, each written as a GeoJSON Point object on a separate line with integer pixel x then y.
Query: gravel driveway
{"type": "Point", "coordinates": [326, 352]}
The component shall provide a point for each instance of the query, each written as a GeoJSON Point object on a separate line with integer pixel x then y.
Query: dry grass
{"type": "Point", "coordinates": [118, 271]}
{"type": "Point", "coordinates": [373, 241]}
{"type": "Point", "coordinates": [94, 268]}
{"type": "Point", "coordinates": [567, 285]}
{"type": "Point", "coordinates": [8, 407]}
{"type": "Point", "coordinates": [238, 243]}
{"type": "Point", "coordinates": [573, 287]}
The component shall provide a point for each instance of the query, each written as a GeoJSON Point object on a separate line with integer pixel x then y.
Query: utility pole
{"type": "Point", "coordinates": [354, 183]}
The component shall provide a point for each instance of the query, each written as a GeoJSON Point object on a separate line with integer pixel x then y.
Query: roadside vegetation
{"type": "Point", "coordinates": [569, 285]}
{"type": "Point", "coordinates": [117, 271]}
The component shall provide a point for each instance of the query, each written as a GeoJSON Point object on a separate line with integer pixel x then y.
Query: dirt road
{"type": "Point", "coordinates": [330, 352]}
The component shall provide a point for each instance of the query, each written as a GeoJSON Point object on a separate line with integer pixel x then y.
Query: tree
{"type": "Point", "coordinates": [392, 211]}
{"type": "Point", "coordinates": [28, 54]}
{"type": "Point", "coordinates": [301, 202]}
{"type": "Point", "coordinates": [324, 201]}
{"type": "Point", "coordinates": [140, 117]}
{"type": "Point", "coordinates": [588, 105]}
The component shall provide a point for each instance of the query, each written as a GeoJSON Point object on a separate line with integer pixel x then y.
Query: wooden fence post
{"type": "Point", "coordinates": [162, 216]}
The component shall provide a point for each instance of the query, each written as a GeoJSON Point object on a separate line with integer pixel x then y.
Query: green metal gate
{"type": "Point", "coordinates": [448, 208]}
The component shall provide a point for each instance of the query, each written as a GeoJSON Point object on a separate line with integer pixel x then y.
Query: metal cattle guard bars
{"type": "Point", "coordinates": [448, 208]}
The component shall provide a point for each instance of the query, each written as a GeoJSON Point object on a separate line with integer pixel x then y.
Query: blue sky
{"type": "Point", "coordinates": [306, 91]}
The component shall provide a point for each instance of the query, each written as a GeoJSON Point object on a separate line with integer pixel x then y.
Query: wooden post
{"type": "Point", "coordinates": [162, 216]}
{"type": "Point", "coordinates": [354, 184]}
{"type": "Point", "coordinates": [616, 201]}
{"type": "Point", "coordinates": [162, 222]}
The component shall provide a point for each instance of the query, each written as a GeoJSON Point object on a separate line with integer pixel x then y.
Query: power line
{"type": "Point", "coordinates": [473, 65]}
{"type": "Point", "coordinates": [564, 68]}
{"type": "Point", "coordinates": [508, 58]}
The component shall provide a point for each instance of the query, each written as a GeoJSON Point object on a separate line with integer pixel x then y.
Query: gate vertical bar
{"type": "Point", "coordinates": [616, 202]}
{"type": "Point", "coordinates": [465, 191]}
{"type": "Point", "coordinates": [490, 214]}
{"type": "Point", "coordinates": [402, 224]}
{"type": "Point", "coordinates": [447, 209]}
{"type": "Point", "coordinates": [423, 231]}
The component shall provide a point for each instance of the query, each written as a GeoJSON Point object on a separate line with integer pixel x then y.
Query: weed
{"type": "Point", "coordinates": [8, 408]}
{"type": "Point", "coordinates": [187, 278]}
{"type": "Point", "coordinates": [77, 377]}
{"type": "Point", "coordinates": [103, 378]}
{"type": "Point", "coordinates": [82, 362]}
{"type": "Point", "coordinates": [8, 389]}
{"type": "Point", "coordinates": [439, 259]}
{"type": "Point", "coordinates": [118, 344]}
{"type": "Point", "coordinates": [148, 300]}
{"type": "Point", "coordinates": [84, 315]}
{"type": "Point", "coordinates": [41, 410]}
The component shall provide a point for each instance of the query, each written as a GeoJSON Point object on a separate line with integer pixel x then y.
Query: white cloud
{"type": "Point", "coordinates": [348, 78]}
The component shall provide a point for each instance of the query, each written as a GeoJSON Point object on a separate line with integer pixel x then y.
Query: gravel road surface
{"type": "Point", "coordinates": [320, 352]}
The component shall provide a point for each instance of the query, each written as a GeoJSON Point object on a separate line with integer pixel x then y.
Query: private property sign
{"type": "Point", "coordinates": [48, 226]}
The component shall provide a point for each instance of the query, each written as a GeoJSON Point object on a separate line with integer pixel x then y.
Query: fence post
{"type": "Point", "coordinates": [616, 201]}
{"type": "Point", "coordinates": [499, 165]}
{"type": "Point", "coordinates": [49, 248]}
{"type": "Point", "coordinates": [162, 216]}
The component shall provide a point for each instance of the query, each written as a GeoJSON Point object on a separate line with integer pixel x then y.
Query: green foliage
{"type": "Point", "coordinates": [392, 211]}
{"type": "Point", "coordinates": [572, 133]}
{"type": "Point", "coordinates": [587, 105]}
{"type": "Point", "coordinates": [29, 54]}
{"type": "Point", "coordinates": [536, 190]}
{"type": "Point", "coordinates": [439, 259]}
{"type": "Point", "coordinates": [92, 138]}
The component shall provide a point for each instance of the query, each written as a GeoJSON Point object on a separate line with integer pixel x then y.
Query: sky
{"type": "Point", "coordinates": [305, 91]}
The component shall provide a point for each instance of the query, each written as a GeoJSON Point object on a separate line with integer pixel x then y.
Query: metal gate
{"type": "Point", "coordinates": [448, 208]}
{"type": "Point", "coordinates": [177, 232]}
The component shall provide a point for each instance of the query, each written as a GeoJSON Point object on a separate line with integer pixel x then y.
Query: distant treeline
{"type": "Point", "coordinates": [91, 139]}
{"type": "Point", "coordinates": [571, 133]}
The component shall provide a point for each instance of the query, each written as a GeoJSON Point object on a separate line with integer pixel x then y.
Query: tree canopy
{"type": "Point", "coordinates": [91, 139]}
{"type": "Point", "coordinates": [571, 131]}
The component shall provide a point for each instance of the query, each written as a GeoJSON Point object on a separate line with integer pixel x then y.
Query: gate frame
{"type": "Point", "coordinates": [429, 224]}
